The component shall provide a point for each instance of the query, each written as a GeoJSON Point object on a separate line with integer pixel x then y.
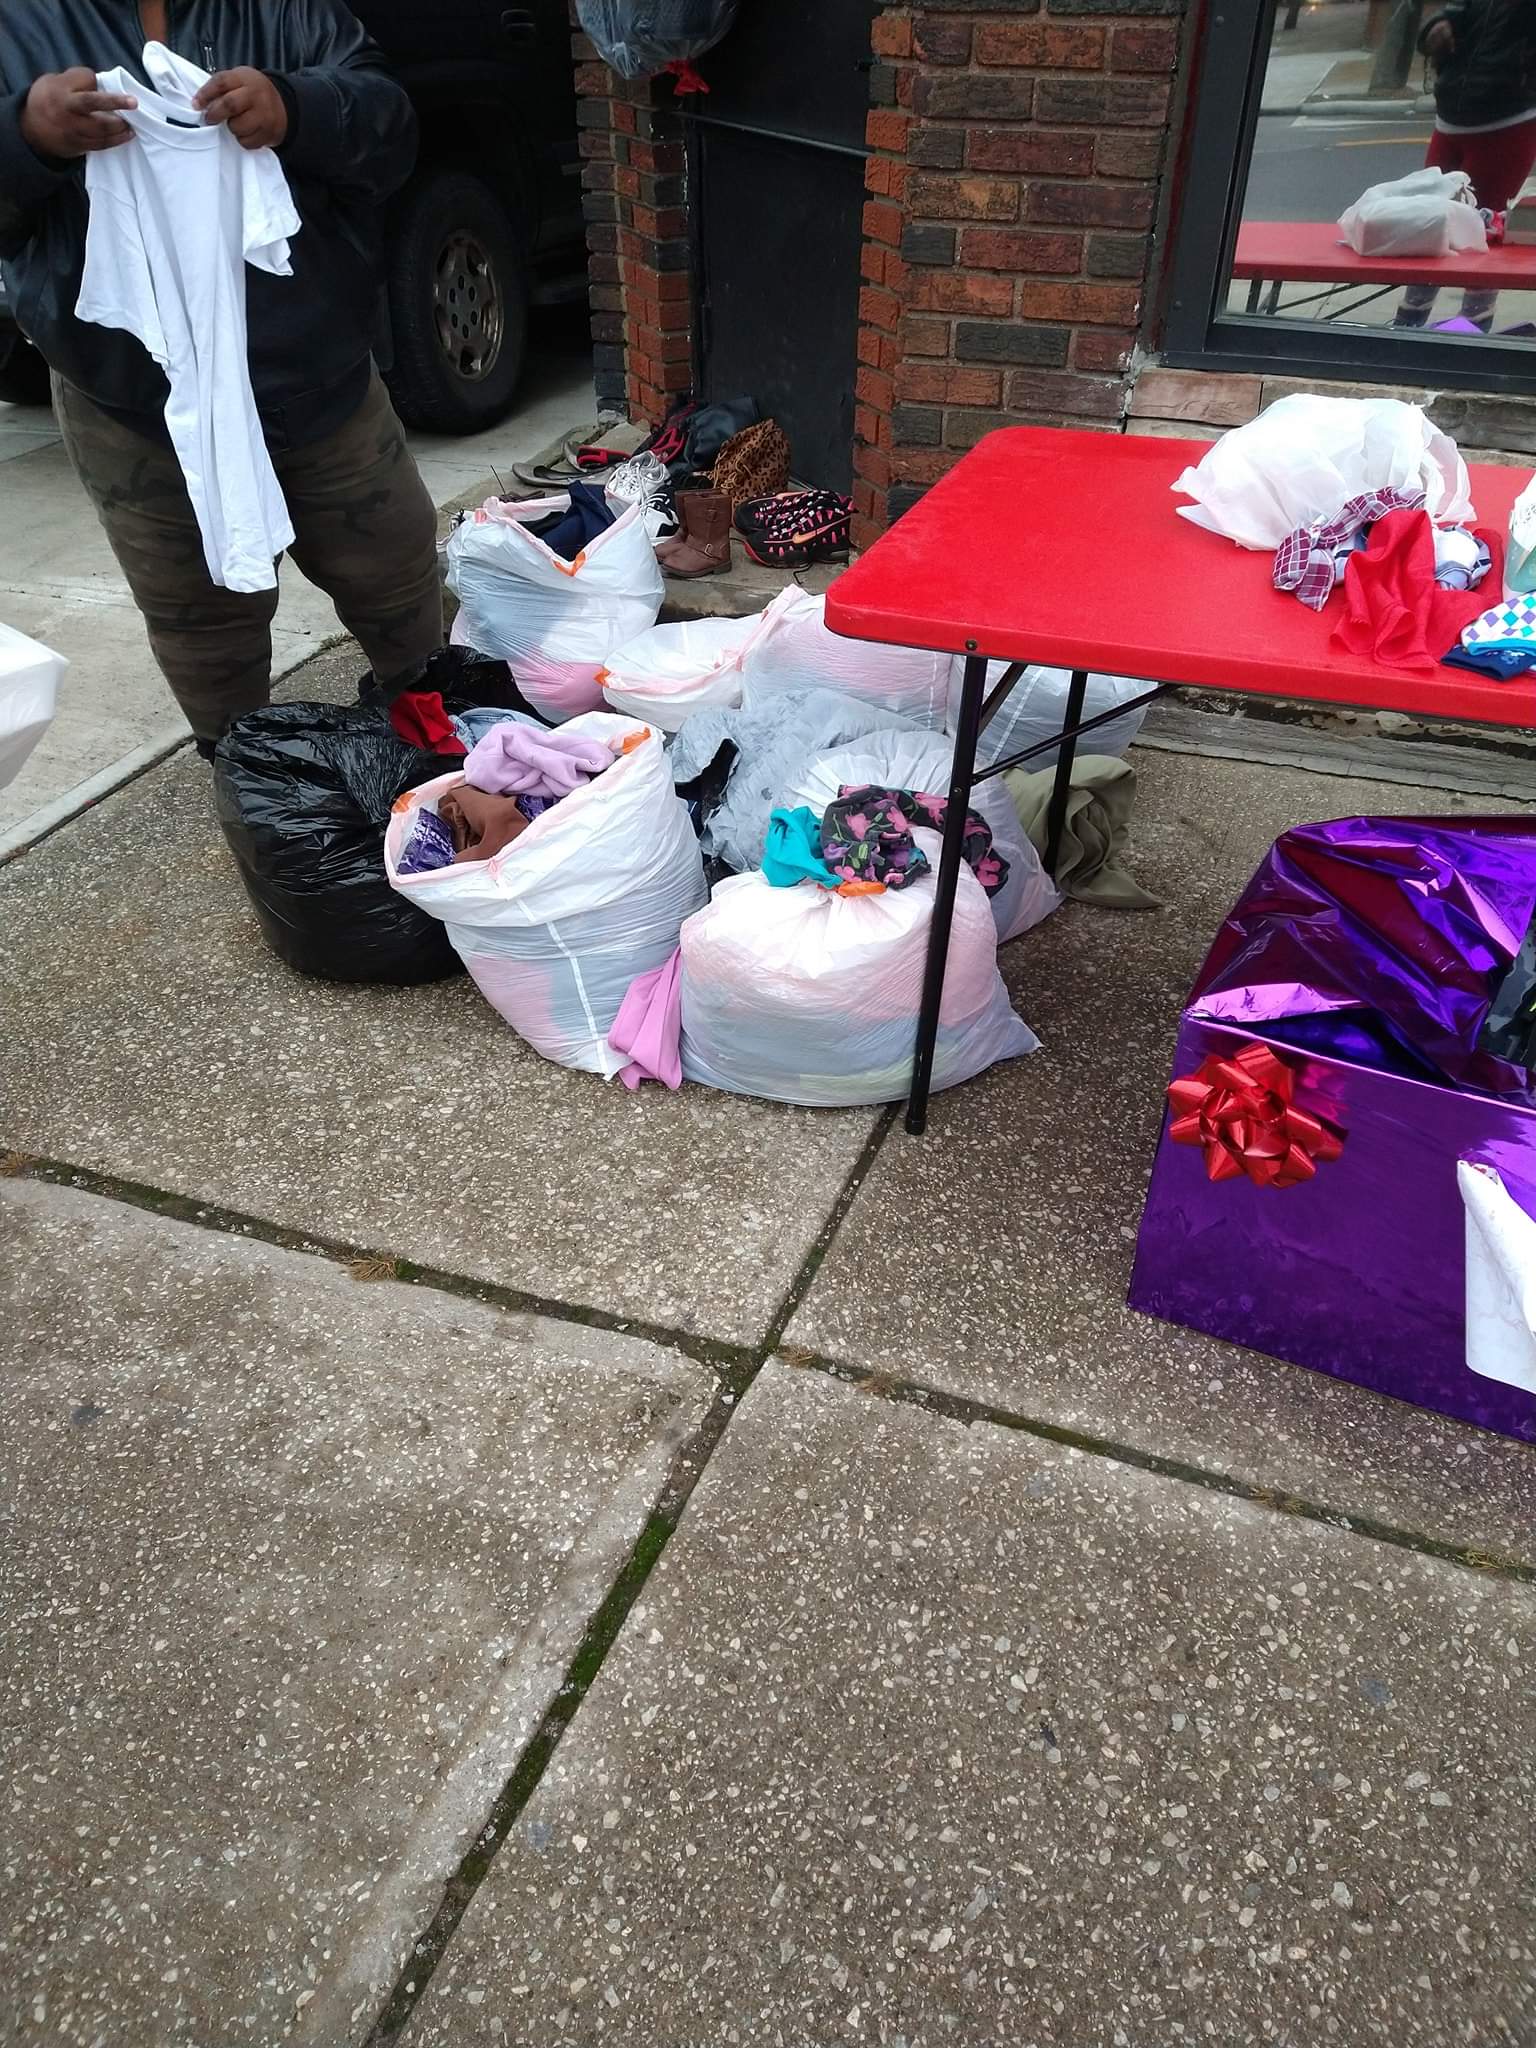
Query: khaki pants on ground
{"type": "Point", "coordinates": [366, 533]}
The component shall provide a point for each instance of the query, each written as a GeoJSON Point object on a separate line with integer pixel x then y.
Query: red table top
{"type": "Point", "coordinates": [1296, 251]}
{"type": "Point", "coordinates": [1065, 548]}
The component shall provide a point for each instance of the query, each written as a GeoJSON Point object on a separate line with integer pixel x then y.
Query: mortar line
{"type": "Point", "coordinates": [426, 1952]}
{"type": "Point", "coordinates": [962, 1408]}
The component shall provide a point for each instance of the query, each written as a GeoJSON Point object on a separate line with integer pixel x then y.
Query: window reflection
{"type": "Point", "coordinates": [1363, 94]}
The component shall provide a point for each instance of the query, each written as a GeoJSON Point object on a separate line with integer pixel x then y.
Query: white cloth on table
{"type": "Point", "coordinates": [175, 216]}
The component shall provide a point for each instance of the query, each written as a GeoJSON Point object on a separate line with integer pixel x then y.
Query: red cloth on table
{"type": "Point", "coordinates": [1394, 610]}
{"type": "Point", "coordinates": [420, 720]}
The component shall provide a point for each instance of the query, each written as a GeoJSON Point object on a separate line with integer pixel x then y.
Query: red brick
{"type": "Point", "coordinates": [594, 143]}
{"type": "Point", "coordinates": [1040, 45]}
{"type": "Point", "coordinates": [1058, 391]}
{"type": "Point", "coordinates": [879, 309]}
{"type": "Point", "coordinates": [869, 346]}
{"type": "Point", "coordinates": [949, 384]}
{"type": "Point", "coordinates": [1128, 156]}
{"type": "Point", "coordinates": [942, 42]}
{"type": "Point", "coordinates": [626, 181]}
{"type": "Point", "coordinates": [624, 119]}
{"type": "Point", "coordinates": [884, 128]}
{"type": "Point", "coordinates": [874, 464]}
{"type": "Point", "coordinates": [594, 79]}
{"type": "Point", "coordinates": [1101, 102]}
{"type": "Point", "coordinates": [1090, 305]}
{"type": "Point", "coordinates": [1102, 352]}
{"type": "Point", "coordinates": [870, 427]}
{"type": "Point", "coordinates": [865, 497]}
{"type": "Point", "coordinates": [1030, 152]}
{"type": "Point", "coordinates": [674, 284]}
{"type": "Point", "coordinates": [882, 223]}
{"type": "Point", "coordinates": [874, 388]}
{"type": "Point", "coordinates": [891, 35]}
{"type": "Point", "coordinates": [921, 465]}
{"type": "Point", "coordinates": [872, 263]}
{"type": "Point", "coordinates": [882, 174]}
{"type": "Point", "coordinates": [665, 158]}
{"type": "Point", "coordinates": [1088, 205]}
{"type": "Point", "coordinates": [663, 224]}
{"type": "Point", "coordinates": [939, 198]}
{"type": "Point", "coordinates": [890, 353]}
{"type": "Point", "coordinates": [1009, 249]}
{"type": "Point", "coordinates": [938, 291]}
{"type": "Point", "coordinates": [922, 337]}
{"type": "Point", "coordinates": [972, 95]}
{"type": "Point", "coordinates": [1144, 46]}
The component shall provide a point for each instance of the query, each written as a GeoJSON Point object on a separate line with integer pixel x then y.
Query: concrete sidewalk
{"type": "Point", "coordinates": [496, 1559]}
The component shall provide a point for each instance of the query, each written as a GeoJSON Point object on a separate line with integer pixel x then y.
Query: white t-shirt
{"type": "Point", "coordinates": [175, 216]}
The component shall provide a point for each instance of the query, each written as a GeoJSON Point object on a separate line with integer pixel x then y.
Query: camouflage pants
{"type": "Point", "coordinates": [366, 534]}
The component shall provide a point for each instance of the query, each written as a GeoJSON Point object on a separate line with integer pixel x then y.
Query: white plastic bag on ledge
{"type": "Point", "coordinates": [920, 761]}
{"type": "Point", "coordinates": [1428, 213]}
{"type": "Point", "coordinates": [29, 685]}
{"type": "Point", "coordinates": [796, 650]}
{"type": "Point", "coordinates": [556, 926]}
{"type": "Point", "coordinates": [555, 621]}
{"type": "Point", "coordinates": [1036, 709]}
{"type": "Point", "coordinates": [667, 673]}
{"type": "Point", "coordinates": [803, 995]}
{"type": "Point", "coordinates": [1307, 456]}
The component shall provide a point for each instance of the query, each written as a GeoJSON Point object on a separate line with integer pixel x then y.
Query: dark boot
{"type": "Point", "coordinates": [703, 548]}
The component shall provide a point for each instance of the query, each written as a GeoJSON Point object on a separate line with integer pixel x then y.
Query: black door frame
{"type": "Point", "coordinates": [1198, 333]}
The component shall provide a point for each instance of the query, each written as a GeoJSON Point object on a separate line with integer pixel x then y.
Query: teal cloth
{"type": "Point", "coordinates": [793, 852]}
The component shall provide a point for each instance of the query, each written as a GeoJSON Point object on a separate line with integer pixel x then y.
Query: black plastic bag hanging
{"type": "Point", "coordinates": [304, 793]}
{"type": "Point", "coordinates": [465, 679]}
{"type": "Point", "coordinates": [638, 37]}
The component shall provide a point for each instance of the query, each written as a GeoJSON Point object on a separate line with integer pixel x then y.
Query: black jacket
{"type": "Point", "coordinates": [351, 142]}
{"type": "Point", "coordinates": [1490, 75]}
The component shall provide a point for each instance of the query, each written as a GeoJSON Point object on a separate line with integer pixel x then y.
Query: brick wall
{"type": "Point", "coordinates": [1015, 156]}
{"type": "Point", "coordinates": [634, 197]}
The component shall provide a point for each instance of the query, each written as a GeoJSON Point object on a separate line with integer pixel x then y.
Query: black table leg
{"type": "Point", "coordinates": [1255, 287]}
{"type": "Point", "coordinates": [1061, 788]}
{"type": "Point", "coordinates": [961, 776]}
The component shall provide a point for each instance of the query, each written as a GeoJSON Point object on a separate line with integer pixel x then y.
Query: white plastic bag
{"type": "Point", "coordinates": [555, 621]}
{"type": "Point", "coordinates": [1501, 1278]}
{"type": "Point", "coordinates": [1307, 456]}
{"type": "Point", "coordinates": [920, 761]}
{"type": "Point", "coordinates": [796, 651]}
{"type": "Point", "coordinates": [556, 926]}
{"type": "Point", "coordinates": [1427, 213]}
{"type": "Point", "coordinates": [1036, 708]}
{"type": "Point", "coordinates": [1520, 555]}
{"type": "Point", "coordinates": [29, 684]}
{"type": "Point", "coordinates": [668, 672]}
{"type": "Point", "coordinates": [803, 995]}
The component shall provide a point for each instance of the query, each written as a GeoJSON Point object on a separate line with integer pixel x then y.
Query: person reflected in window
{"type": "Point", "coordinates": [1484, 58]}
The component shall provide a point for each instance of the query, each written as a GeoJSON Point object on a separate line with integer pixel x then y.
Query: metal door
{"type": "Point", "coordinates": [776, 169]}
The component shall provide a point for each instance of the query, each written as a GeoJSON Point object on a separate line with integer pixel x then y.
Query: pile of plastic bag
{"type": "Point", "coordinates": [1427, 213]}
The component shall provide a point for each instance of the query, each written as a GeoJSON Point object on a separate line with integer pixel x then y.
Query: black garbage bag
{"type": "Point", "coordinates": [638, 37]}
{"type": "Point", "coordinates": [304, 792]}
{"type": "Point", "coordinates": [463, 677]}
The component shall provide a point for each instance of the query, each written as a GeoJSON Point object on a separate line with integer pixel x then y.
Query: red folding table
{"type": "Point", "coordinates": [1066, 549]}
{"type": "Point", "coordinates": [1310, 252]}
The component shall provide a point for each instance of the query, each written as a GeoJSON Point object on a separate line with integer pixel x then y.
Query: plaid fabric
{"type": "Point", "coordinates": [1310, 561]}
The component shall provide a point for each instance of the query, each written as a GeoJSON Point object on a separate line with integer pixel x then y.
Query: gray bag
{"type": "Point", "coordinates": [638, 37]}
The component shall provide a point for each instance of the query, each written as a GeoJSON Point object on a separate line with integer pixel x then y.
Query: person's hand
{"type": "Point", "coordinates": [1440, 42]}
{"type": "Point", "coordinates": [67, 115]}
{"type": "Point", "coordinates": [248, 103]}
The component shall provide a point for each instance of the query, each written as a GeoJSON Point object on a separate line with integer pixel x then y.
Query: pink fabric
{"type": "Point", "coordinates": [518, 760]}
{"type": "Point", "coordinates": [649, 1026]}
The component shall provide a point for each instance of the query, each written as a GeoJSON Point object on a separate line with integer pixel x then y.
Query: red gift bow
{"type": "Point", "coordinates": [1240, 1110]}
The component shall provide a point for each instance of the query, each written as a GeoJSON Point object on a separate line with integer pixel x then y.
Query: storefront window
{"type": "Point", "coordinates": [1286, 247]}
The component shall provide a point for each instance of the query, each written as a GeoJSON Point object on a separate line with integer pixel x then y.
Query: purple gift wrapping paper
{"type": "Point", "coordinates": [1359, 1272]}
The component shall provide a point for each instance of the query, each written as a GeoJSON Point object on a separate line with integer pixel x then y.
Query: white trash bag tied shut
{"type": "Point", "coordinates": [1305, 457]}
{"type": "Point", "coordinates": [1427, 213]}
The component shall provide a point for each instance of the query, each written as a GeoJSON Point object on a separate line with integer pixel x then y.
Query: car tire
{"type": "Point", "coordinates": [458, 301]}
{"type": "Point", "coordinates": [23, 373]}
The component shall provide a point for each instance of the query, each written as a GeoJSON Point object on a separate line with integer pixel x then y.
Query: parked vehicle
{"type": "Point", "coordinates": [490, 223]}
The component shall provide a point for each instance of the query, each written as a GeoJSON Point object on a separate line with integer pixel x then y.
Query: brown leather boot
{"type": "Point", "coordinates": [703, 548]}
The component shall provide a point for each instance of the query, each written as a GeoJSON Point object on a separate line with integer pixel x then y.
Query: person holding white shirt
{"type": "Point", "coordinates": [303, 79]}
